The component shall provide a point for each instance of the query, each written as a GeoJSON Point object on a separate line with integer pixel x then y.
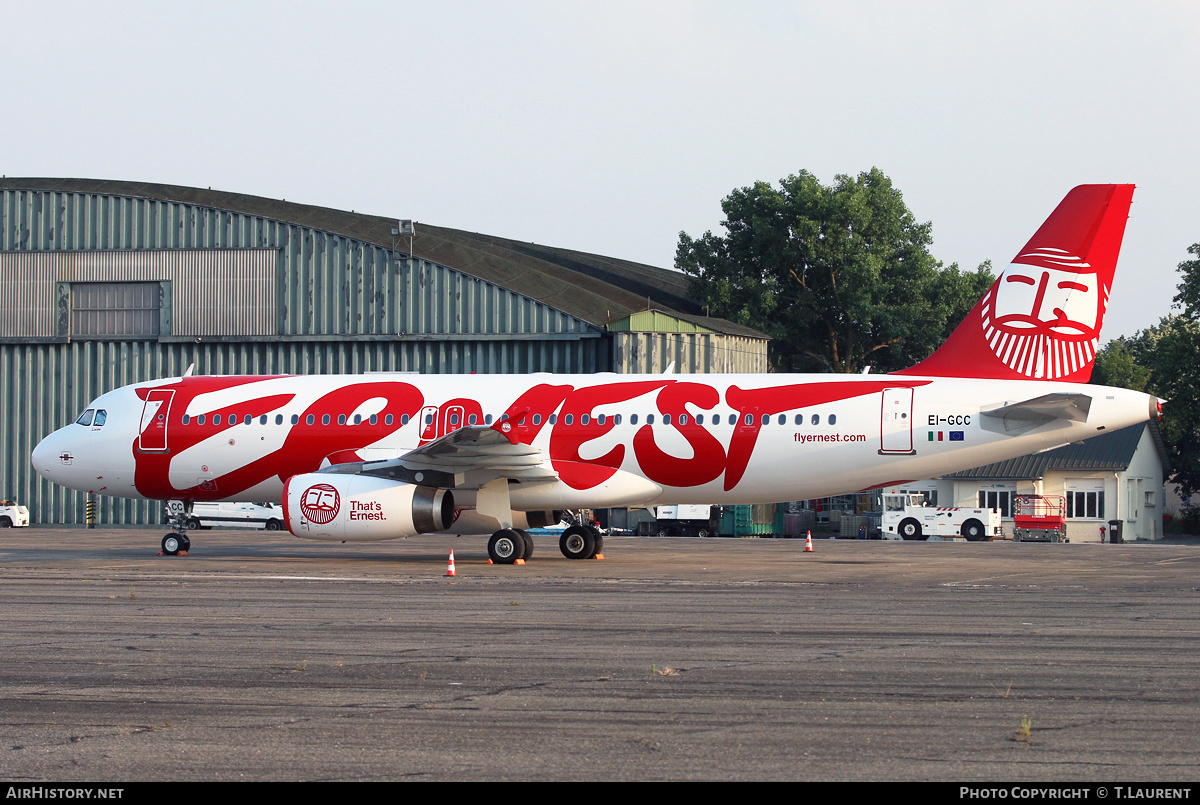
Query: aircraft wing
{"type": "Point", "coordinates": [1021, 416]}
{"type": "Point", "coordinates": [467, 458]}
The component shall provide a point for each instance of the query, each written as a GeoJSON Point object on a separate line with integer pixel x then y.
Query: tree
{"type": "Point", "coordinates": [840, 277]}
{"type": "Point", "coordinates": [1175, 376]}
{"type": "Point", "coordinates": [1125, 362]}
{"type": "Point", "coordinates": [1161, 360]}
{"type": "Point", "coordinates": [1188, 290]}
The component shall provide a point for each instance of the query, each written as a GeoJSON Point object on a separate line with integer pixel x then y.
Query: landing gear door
{"type": "Point", "coordinates": [895, 424]}
{"type": "Point", "coordinates": [155, 412]}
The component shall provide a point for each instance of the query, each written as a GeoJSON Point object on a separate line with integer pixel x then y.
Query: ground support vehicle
{"type": "Point", "coordinates": [1040, 518]}
{"type": "Point", "coordinates": [907, 517]}
{"type": "Point", "coordinates": [236, 515]}
{"type": "Point", "coordinates": [12, 515]}
{"type": "Point", "coordinates": [679, 521]}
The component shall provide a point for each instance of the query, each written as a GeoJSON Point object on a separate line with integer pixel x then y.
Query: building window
{"type": "Point", "coordinates": [994, 498]}
{"type": "Point", "coordinates": [116, 309]}
{"type": "Point", "coordinates": [1085, 499]}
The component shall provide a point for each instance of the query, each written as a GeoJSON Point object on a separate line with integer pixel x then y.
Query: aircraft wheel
{"type": "Point", "coordinates": [185, 544]}
{"type": "Point", "coordinates": [528, 554]}
{"type": "Point", "coordinates": [599, 545]}
{"type": "Point", "coordinates": [506, 546]}
{"type": "Point", "coordinates": [172, 544]}
{"type": "Point", "coordinates": [577, 542]}
{"type": "Point", "coordinates": [910, 529]}
{"type": "Point", "coordinates": [972, 530]}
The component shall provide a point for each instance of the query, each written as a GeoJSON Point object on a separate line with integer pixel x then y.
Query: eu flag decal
{"type": "Point", "coordinates": [956, 435]}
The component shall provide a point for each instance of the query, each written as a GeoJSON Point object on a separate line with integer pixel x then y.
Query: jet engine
{"type": "Point", "coordinates": [362, 507]}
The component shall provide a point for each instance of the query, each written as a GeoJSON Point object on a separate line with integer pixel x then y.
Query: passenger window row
{"type": "Point", "coordinates": [472, 419]}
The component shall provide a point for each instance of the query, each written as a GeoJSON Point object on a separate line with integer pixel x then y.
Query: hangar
{"type": "Point", "coordinates": [115, 282]}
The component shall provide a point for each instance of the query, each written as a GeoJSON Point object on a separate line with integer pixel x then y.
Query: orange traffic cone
{"type": "Point", "coordinates": [808, 545]}
{"type": "Point", "coordinates": [450, 567]}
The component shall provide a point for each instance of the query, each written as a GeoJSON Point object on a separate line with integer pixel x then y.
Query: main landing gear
{"type": "Point", "coordinates": [179, 517]}
{"type": "Point", "coordinates": [581, 542]}
{"type": "Point", "coordinates": [508, 545]}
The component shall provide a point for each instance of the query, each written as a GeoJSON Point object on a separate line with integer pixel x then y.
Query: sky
{"type": "Point", "coordinates": [610, 127]}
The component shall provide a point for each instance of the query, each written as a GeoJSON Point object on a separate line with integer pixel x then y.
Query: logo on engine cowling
{"type": "Point", "coordinates": [320, 503]}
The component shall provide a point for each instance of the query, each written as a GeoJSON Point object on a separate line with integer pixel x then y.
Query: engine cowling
{"type": "Point", "coordinates": [362, 507]}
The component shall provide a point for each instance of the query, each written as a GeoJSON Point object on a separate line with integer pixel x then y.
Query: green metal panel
{"type": "Point", "coordinates": [652, 353]}
{"type": "Point", "coordinates": [656, 321]}
{"type": "Point", "coordinates": [760, 519]}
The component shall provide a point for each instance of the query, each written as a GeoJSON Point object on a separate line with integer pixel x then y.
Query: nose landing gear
{"type": "Point", "coordinates": [179, 517]}
{"type": "Point", "coordinates": [176, 544]}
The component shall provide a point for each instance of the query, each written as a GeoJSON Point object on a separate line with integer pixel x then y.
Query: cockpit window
{"type": "Point", "coordinates": [86, 417]}
{"type": "Point", "coordinates": [101, 416]}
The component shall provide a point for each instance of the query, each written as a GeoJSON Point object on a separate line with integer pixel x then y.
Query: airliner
{"type": "Point", "coordinates": [387, 455]}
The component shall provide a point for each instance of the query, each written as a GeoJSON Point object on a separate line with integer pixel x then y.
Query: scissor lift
{"type": "Point", "coordinates": [1040, 518]}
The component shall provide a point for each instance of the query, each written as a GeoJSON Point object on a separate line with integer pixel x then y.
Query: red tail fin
{"type": "Point", "coordinates": [1041, 319]}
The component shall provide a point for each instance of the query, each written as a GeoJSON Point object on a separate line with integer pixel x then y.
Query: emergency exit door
{"type": "Point", "coordinates": [153, 435]}
{"type": "Point", "coordinates": [895, 422]}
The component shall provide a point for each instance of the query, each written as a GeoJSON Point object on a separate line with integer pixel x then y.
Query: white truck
{"type": "Point", "coordinates": [12, 515]}
{"type": "Point", "coordinates": [907, 517]}
{"type": "Point", "coordinates": [236, 515]}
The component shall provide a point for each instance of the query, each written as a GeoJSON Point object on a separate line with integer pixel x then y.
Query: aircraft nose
{"type": "Point", "coordinates": [48, 455]}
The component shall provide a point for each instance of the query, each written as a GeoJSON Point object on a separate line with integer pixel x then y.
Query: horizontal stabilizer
{"type": "Point", "coordinates": [1019, 417]}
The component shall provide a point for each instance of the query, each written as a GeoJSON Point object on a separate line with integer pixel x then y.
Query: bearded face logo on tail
{"type": "Point", "coordinates": [1041, 319]}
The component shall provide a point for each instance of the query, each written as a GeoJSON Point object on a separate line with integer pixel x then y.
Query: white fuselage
{"type": "Point", "coordinates": [729, 439]}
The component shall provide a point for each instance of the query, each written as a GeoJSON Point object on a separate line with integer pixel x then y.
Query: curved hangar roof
{"type": "Point", "coordinates": [596, 289]}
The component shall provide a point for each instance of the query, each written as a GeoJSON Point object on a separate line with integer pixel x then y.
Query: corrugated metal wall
{"type": "Point", "coordinates": [213, 292]}
{"type": "Point", "coordinates": [325, 283]}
